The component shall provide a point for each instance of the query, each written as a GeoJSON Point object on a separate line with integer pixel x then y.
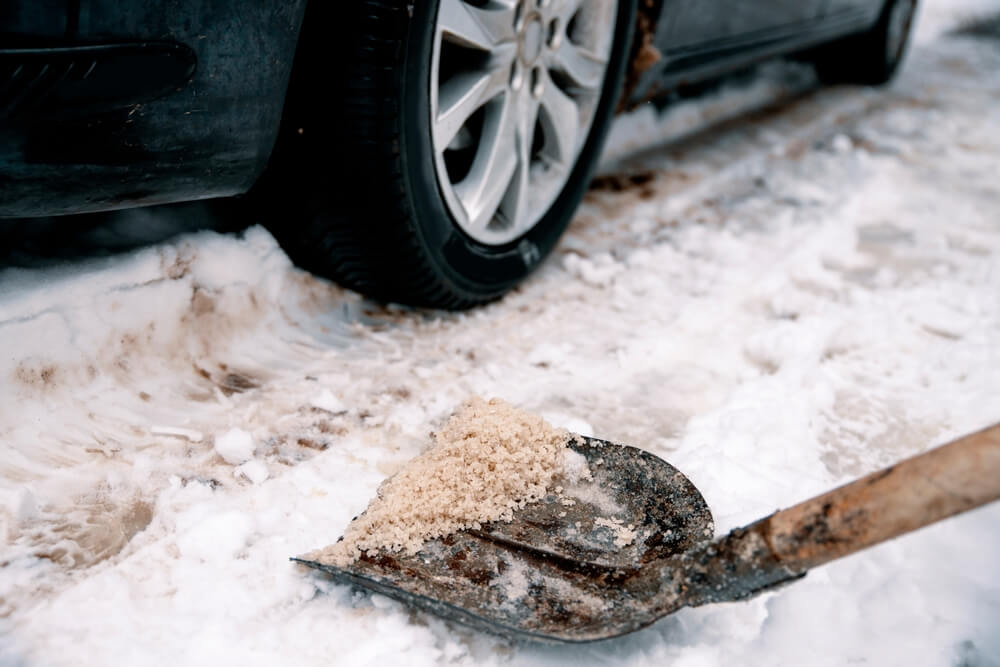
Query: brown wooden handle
{"type": "Point", "coordinates": [935, 485]}
{"type": "Point", "coordinates": [945, 481]}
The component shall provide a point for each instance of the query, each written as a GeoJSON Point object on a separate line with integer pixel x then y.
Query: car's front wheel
{"type": "Point", "coordinates": [459, 140]}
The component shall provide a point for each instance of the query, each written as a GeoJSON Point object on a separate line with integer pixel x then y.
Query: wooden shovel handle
{"type": "Point", "coordinates": [945, 481]}
{"type": "Point", "coordinates": [935, 485]}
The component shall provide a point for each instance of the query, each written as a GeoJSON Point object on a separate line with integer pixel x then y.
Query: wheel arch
{"type": "Point", "coordinates": [644, 53]}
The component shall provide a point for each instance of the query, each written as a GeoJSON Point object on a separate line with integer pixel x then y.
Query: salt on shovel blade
{"type": "Point", "coordinates": [573, 567]}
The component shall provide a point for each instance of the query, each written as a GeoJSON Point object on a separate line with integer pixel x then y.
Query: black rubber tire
{"type": "Point", "coordinates": [350, 191]}
{"type": "Point", "coordinates": [864, 58]}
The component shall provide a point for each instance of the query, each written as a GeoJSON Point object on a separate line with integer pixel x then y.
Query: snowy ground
{"type": "Point", "coordinates": [774, 304]}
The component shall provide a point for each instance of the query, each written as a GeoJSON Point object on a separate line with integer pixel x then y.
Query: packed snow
{"type": "Point", "coordinates": [235, 446]}
{"type": "Point", "coordinates": [795, 286]}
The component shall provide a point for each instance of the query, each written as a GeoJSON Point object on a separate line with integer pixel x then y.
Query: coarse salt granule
{"type": "Point", "coordinates": [489, 460]}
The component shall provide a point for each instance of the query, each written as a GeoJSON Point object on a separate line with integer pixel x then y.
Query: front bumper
{"type": "Point", "coordinates": [78, 81]}
{"type": "Point", "coordinates": [116, 103]}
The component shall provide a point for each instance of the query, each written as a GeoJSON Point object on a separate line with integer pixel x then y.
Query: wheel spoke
{"type": "Point", "coordinates": [462, 96]}
{"type": "Point", "coordinates": [565, 9]}
{"type": "Point", "coordinates": [483, 188]}
{"type": "Point", "coordinates": [477, 27]}
{"type": "Point", "coordinates": [583, 68]}
{"type": "Point", "coordinates": [560, 119]}
{"type": "Point", "coordinates": [515, 201]}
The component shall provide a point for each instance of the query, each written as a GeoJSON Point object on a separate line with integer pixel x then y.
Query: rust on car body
{"type": "Point", "coordinates": [644, 53]}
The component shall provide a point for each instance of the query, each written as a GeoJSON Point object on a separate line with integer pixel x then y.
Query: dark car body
{"type": "Point", "coordinates": [110, 104]}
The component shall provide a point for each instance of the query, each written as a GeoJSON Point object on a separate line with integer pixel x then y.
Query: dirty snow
{"type": "Point", "coordinates": [775, 304]}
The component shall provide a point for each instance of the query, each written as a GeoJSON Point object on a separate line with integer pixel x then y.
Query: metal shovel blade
{"type": "Point", "coordinates": [573, 567]}
{"type": "Point", "coordinates": [611, 555]}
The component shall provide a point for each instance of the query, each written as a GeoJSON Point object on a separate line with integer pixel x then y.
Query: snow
{"type": "Point", "coordinates": [574, 468]}
{"type": "Point", "coordinates": [254, 471]}
{"type": "Point", "coordinates": [186, 433]}
{"type": "Point", "coordinates": [235, 446]}
{"type": "Point", "coordinates": [327, 401]}
{"type": "Point", "coordinates": [788, 302]}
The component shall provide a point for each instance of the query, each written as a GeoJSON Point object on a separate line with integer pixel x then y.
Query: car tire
{"type": "Point", "coordinates": [354, 189]}
{"type": "Point", "coordinates": [872, 57]}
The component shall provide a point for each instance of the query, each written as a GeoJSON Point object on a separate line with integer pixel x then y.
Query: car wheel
{"type": "Point", "coordinates": [461, 136]}
{"type": "Point", "coordinates": [872, 57]}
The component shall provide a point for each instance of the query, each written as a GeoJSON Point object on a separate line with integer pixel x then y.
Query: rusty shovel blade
{"type": "Point", "coordinates": [578, 566]}
{"type": "Point", "coordinates": [616, 553]}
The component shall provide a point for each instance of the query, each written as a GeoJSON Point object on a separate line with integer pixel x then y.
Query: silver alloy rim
{"type": "Point", "coordinates": [514, 88]}
{"type": "Point", "coordinates": [899, 26]}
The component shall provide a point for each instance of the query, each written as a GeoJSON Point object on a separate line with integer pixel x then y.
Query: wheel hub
{"type": "Point", "coordinates": [514, 88]}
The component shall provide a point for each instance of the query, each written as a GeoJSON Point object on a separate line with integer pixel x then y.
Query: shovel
{"type": "Point", "coordinates": [636, 543]}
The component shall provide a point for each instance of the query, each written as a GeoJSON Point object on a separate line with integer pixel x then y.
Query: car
{"type": "Point", "coordinates": [426, 152]}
